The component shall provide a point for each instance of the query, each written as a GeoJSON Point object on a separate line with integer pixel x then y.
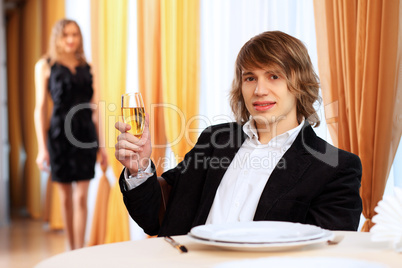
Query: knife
{"type": "Point", "coordinates": [175, 244]}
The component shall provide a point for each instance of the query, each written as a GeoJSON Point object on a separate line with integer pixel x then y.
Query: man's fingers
{"type": "Point", "coordinates": [126, 145]}
{"type": "Point", "coordinates": [122, 154]}
{"type": "Point", "coordinates": [145, 134]}
{"type": "Point", "coordinates": [125, 136]}
{"type": "Point", "coordinates": [122, 127]}
{"type": "Point", "coordinates": [126, 157]}
{"type": "Point", "coordinates": [146, 120]}
{"type": "Point", "coordinates": [129, 138]}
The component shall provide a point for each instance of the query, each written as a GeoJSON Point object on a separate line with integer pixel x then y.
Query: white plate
{"type": "Point", "coordinates": [257, 232]}
{"type": "Point", "coordinates": [282, 246]}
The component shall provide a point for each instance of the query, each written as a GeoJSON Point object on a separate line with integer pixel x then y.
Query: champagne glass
{"type": "Point", "coordinates": [133, 111]}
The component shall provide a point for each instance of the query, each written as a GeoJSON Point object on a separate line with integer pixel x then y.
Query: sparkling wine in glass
{"type": "Point", "coordinates": [133, 111]}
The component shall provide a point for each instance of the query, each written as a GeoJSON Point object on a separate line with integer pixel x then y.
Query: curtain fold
{"type": "Point", "coordinates": [17, 196]}
{"type": "Point", "coordinates": [110, 65]}
{"type": "Point", "coordinates": [51, 11]}
{"type": "Point", "coordinates": [180, 33]}
{"type": "Point", "coordinates": [150, 74]}
{"type": "Point", "coordinates": [398, 108]}
{"type": "Point", "coordinates": [357, 44]}
{"type": "Point", "coordinates": [28, 34]}
{"type": "Point", "coordinates": [109, 37]}
{"type": "Point", "coordinates": [30, 53]}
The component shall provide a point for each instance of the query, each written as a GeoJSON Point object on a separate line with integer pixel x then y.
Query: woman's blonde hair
{"type": "Point", "coordinates": [290, 56]}
{"type": "Point", "coordinates": [54, 51]}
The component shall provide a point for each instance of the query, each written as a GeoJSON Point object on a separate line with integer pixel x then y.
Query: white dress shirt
{"type": "Point", "coordinates": [241, 187]}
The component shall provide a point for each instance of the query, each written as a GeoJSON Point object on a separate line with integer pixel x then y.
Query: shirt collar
{"type": "Point", "coordinates": [250, 129]}
{"type": "Point", "coordinates": [285, 139]}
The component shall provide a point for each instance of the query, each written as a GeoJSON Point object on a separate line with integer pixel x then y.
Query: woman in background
{"type": "Point", "coordinates": [69, 144]}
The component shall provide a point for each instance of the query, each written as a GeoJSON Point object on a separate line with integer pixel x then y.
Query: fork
{"type": "Point", "coordinates": [336, 240]}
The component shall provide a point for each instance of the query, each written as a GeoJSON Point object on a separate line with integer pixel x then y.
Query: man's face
{"type": "Point", "coordinates": [267, 97]}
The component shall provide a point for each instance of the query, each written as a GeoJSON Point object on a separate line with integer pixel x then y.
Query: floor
{"type": "Point", "coordinates": [25, 242]}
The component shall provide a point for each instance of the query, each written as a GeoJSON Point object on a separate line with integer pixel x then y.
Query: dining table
{"type": "Point", "coordinates": [156, 252]}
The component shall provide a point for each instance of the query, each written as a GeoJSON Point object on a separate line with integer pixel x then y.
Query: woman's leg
{"type": "Point", "coordinates": [66, 198]}
{"type": "Point", "coordinates": [80, 212]}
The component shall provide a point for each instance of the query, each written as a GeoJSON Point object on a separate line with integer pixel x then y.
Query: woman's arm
{"type": "Point", "coordinates": [42, 74]}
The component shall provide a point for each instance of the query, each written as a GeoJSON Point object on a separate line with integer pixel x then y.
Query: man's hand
{"type": "Point", "coordinates": [131, 150]}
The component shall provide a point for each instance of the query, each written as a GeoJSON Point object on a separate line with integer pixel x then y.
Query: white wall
{"type": "Point", "coordinates": [79, 10]}
{"type": "Point", "coordinates": [4, 147]}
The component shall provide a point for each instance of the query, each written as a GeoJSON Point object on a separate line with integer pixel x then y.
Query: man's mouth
{"type": "Point", "coordinates": [263, 105]}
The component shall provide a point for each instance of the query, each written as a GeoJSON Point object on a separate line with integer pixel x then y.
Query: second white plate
{"type": "Point", "coordinates": [257, 232]}
{"type": "Point", "coordinates": [328, 235]}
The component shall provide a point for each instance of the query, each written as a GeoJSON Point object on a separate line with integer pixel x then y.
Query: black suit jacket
{"type": "Point", "coordinates": [313, 183]}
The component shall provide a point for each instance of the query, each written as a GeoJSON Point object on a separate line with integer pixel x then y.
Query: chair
{"type": "Point", "coordinates": [165, 189]}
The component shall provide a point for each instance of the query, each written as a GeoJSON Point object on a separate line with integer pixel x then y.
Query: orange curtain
{"type": "Point", "coordinates": [168, 55]}
{"type": "Point", "coordinates": [357, 42]}
{"type": "Point", "coordinates": [150, 74]}
{"type": "Point", "coordinates": [52, 11]}
{"type": "Point", "coordinates": [109, 37]}
{"type": "Point", "coordinates": [30, 53]}
{"type": "Point", "coordinates": [99, 219]}
{"type": "Point", "coordinates": [28, 28]}
{"type": "Point", "coordinates": [110, 33]}
{"type": "Point", "coordinates": [180, 71]}
{"type": "Point", "coordinates": [17, 195]}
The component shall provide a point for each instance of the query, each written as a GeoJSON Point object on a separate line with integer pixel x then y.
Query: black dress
{"type": "Point", "coordinates": [72, 140]}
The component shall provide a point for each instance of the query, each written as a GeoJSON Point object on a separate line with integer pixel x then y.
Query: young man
{"type": "Point", "coordinates": [269, 165]}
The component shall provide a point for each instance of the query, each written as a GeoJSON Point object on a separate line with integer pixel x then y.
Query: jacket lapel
{"type": "Point", "coordinates": [285, 175]}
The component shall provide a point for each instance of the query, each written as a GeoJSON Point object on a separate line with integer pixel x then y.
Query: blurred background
{"type": "Point", "coordinates": [180, 55]}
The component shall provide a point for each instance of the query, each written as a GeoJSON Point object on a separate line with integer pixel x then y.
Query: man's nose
{"type": "Point", "coordinates": [262, 88]}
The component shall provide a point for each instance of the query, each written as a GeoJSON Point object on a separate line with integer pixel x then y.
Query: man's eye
{"type": "Point", "coordinates": [249, 79]}
{"type": "Point", "coordinates": [274, 76]}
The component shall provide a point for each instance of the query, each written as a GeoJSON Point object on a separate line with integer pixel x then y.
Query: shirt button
{"type": "Point", "coordinates": [236, 204]}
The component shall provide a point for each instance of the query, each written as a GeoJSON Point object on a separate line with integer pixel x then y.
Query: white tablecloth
{"type": "Point", "coordinates": [155, 252]}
